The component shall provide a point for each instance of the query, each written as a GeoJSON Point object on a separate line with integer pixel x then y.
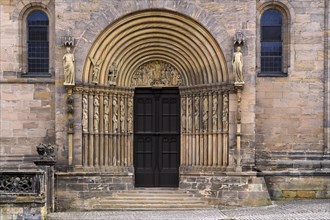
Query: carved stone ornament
{"type": "Point", "coordinates": [239, 38]}
{"type": "Point", "coordinates": [68, 40]}
{"type": "Point", "coordinates": [156, 73]}
{"type": "Point", "coordinates": [96, 70]}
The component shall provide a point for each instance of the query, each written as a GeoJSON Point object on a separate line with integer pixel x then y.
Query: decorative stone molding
{"type": "Point", "coordinates": [156, 73]}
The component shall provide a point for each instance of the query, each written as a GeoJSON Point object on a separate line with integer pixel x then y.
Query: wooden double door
{"type": "Point", "coordinates": [156, 137]}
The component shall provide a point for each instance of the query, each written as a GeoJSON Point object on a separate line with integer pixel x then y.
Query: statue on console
{"type": "Point", "coordinates": [237, 62]}
{"type": "Point", "coordinates": [68, 64]}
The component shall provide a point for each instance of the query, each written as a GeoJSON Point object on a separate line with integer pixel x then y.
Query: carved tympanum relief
{"type": "Point", "coordinates": [96, 70]}
{"type": "Point", "coordinates": [156, 73]}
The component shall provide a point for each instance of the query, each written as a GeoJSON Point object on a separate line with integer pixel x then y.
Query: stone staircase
{"type": "Point", "coordinates": [149, 199]}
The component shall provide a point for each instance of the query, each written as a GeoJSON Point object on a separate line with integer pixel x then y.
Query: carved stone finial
{"type": "Point", "coordinates": [239, 38]}
{"type": "Point", "coordinates": [68, 40]}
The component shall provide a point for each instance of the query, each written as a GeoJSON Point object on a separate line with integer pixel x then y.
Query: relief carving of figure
{"type": "Point", "coordinates": [96, 114]}
{"type": "Point", "coordinates": [106, 114]}
{"type": "Point", "coordinates": [122, 114]}
{"type": "Point", "coordinates": [68, 64]}
{"type": "Point", "coordinates": [215, 112]}
{"type": "Point", "coordinates": [115, 114]}
{"type": "Point", "coordinates": [189, 115]}
{"type": "Point", "coordinates": [85, 113]}
{"type": "Point", "coordinates": [196, 113]}
{"type": "Point", "coordinates": [112, 74]}
{"type": "Point", "coordinates": [225, 112]}
{"type": "Point", "coordinates": [130, 115]}
{"type": "Point", "coordinates": [205, 112]}
{"type": "Point", "coordinates": [183, 115]}
{"type": "Point", "coordinates": [96, 70]}
{"type": "Point", "coordinates": [237, 62]}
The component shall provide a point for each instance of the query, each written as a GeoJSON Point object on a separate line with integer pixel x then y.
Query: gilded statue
{"type": "Point", "coordinates": [96, 70]}
{"type": "Point", "coordinates": [68, 64]}
{"type": "Point", "coordinates": [237, 62]}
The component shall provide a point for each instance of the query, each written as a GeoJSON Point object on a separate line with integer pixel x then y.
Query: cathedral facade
{"type": "Point", "coordinates": [228, 100]}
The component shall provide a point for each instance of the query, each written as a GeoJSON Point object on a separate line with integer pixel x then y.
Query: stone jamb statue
{"type": "Point", "coordinates": [237, 62]}
{"type": "Point", "coordinates": [68, 64]}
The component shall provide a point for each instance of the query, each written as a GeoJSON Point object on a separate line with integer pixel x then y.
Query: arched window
{"type": "Point", "coordinates": [37, 43]}
{"type": "Point", "coordinates": [271, 42]}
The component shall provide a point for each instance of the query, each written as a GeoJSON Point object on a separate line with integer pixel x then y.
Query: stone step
{"type": "Point", "coordinates": [138, 198]}
{"type": "Point", "coordinates": [146, 201]}
{"type": "Point", "coordinates": [149, 206]}
{"type": "Point", "coordinates": [142, 194]}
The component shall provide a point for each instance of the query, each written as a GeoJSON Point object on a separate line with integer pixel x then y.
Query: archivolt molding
{"type": "Point", "coordinates": [157, 35]}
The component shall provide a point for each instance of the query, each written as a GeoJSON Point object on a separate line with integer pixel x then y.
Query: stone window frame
{"type": "Point", "coordinates": [286, 38]}
{"type": "Point", "coordinates": [23, 30]}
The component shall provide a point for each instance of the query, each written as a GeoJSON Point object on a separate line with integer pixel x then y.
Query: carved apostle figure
{"type": "Point", "coordinates": [106, 114]}
{"type": "Point", "coordinates": [122, 114]}
{"type": "Point", "coordinates": [189, 115]}
{"type": "Point", "coordinates": [215, 112]}
{"type": "Point", "coordinates": [196, 113]}
{"type": "Point", "coordinates": [183, 115]}
{"type": "Point", "coordinates": [205, 112]}
{"type": "Point", "coordinates": [85, 114]}
{"type": "Point", "coordinates": [115, 114]}
{"type": "Point", "coordinates": [68, 64]}
{"type": "Point", "coordinates": [130, 115]}
{"type": "Point", "coordinates": [238, 66]}
{"type": "Point", "coordinates": [96, 114]}
{"type": "Point", "coordinates": [112, 74]}
{"type": "Point", "coordinates": [225, 112]}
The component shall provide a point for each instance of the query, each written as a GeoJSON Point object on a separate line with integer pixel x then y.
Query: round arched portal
{"type": "Point", "coordinates": [174, 57]}
{"type": "Point", "coordinates": [155, 35]}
